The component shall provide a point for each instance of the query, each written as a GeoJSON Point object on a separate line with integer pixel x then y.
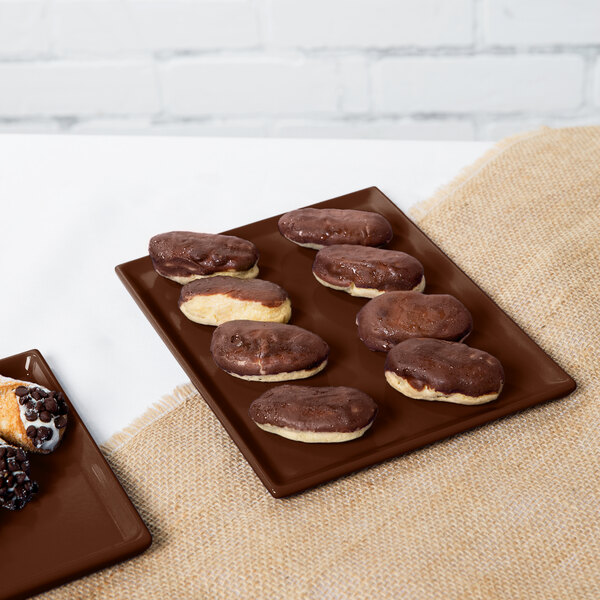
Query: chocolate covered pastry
{"type": "Point", "coordinates": [216, 300]}
{"type": "Point", "coordinates": [261, 351]}
{"type": "Point", "coordinates": [16, 487]}
{"type": "Point", "coordinates": [185, 255]}
{"type": "Point", "coordinates": [31, 416]}
{"type": "Point", "coordinates": [318, 227]}
{"type": "Point", "coordinates": [430, 369]}
{"type": "Point", "coordinates": [394, 317]}
{"type": "Point", "coordinates": [367, 272]}
{"type": "Point", "coordinates": [314, 414]}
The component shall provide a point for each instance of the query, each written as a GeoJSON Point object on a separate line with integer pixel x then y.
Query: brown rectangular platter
{"type": "Point", "coordinates": [80, 521]}
{"type": "Point", "coordinates": [403, 424]}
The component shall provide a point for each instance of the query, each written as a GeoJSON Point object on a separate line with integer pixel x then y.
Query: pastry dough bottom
{"type": "Point", "coordinates": [306, 245]}
{"type": "Point", "coordinates": [249, 274]}
{"type": "Point", "coordinates": [314, 437]}
{"type": "Point", "coordinates": [366, 292]}
{"type": "Point", "coordinates": [215, 309]}
{"type": "Point", "coordinates": [400, 384]}
{"type": "Point", "coordinates": [286, 376]}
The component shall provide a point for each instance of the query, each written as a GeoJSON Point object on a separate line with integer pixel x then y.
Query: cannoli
{"type": "Point", "coordinates": [31, 416]}
{"type": "Point", "coordinates": [16, 488]}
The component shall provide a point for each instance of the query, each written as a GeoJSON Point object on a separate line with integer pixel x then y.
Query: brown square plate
{"type": "Point", "coordinates": [81, 520]}
{"type": "Point", "coordinates": [403, 424]}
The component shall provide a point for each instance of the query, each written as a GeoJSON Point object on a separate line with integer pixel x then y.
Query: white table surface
{"type": "Point", "coordinates": [75, 207]}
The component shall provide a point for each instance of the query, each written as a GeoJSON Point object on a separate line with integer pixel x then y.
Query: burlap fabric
{"type": "Point", "coordinates": [510, 510]}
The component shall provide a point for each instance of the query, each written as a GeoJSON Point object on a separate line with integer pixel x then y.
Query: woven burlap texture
{"type": "Point", "coordinates": [510, 510]}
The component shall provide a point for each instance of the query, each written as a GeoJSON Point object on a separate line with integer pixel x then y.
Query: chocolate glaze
{"type": "Point", "coordinates": [252, 290]}
{"type": "Point", "coordinates": [185, 253]}
{"type": "Point", "coordinates": [366, 267]}
{"type": "Point", "coordinates": [264, 348]}
{"type": "Point", "coordinates": [447, 367]}
{"type": "Point", "coordinates": [303, 408]}
{"type": "Point", "coordinates": [394, 317]}
{"type": "Point", "coordinates": [328, 226]}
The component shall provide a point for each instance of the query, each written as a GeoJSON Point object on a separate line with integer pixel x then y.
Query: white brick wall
{"type": "Point", "coordinates": [539, 22]}
{"type": "Point", "coordinates": [23, 28]}
{"type": "Point", "coordinates": [192, 25]}
{"type": "Point", "coordinates": [248, 86]}
{"type": "Point", "coordinates": [72, 89]}
{"type": "Point", "coordinates": [371, 23]}
{"type": "Point", "coordinates": [467, 84]}
{"type": "Point", "coordinates": [597, 83]}
{"type": "Point", "coordinates": [421, 69]}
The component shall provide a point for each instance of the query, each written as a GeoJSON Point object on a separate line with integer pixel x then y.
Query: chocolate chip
{"type": "Point", "coordinates": [36, 394]}
{"type": "Point", "coordinates": [60, 422]}
{"type": "Point", "coordinates": [2, 451]}
{"type": "Point", "coordinates": [45, 433]}
{"type": "Point", "coordinates": [21, 456]}
{"type": "Point", "coordinates": [10, 452]}
{"type": "Point", "coordinates": [51, 405]}
{"type": "Point", "coordinates": [22, 400]}
{"type": "Point", "coordinates": [30, 405]}
{"type": "Point", "coordinates": [45, 416]}
{"type": "Point", "coordinates": [31, 431]}
{"type": "Point", "coordinates": [43, 393]}
{"type": "Point", "coordinates": [21, 391]}
{"type": "Point", "coordinates": [31, 415]}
